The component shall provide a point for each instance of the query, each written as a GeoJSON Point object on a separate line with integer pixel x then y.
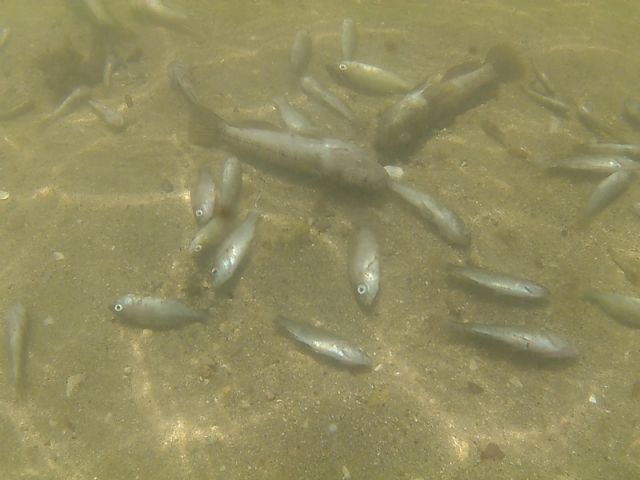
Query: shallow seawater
{"type": "Point", "coordinates": [93, 214]}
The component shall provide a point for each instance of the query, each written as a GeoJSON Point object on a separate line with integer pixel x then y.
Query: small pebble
{"type": "Point", "coordinates": [4, 195]}
{"type": "Point", "coordinates": [127, 371]}
{"type": "Point", "coordinates": [346, 474]}
{"type": "Point", "coordinates": [332, 428]}
{"type": "Point", "coordinates": [492, 452]}
{"type": "Point", "coordinates": [58, 256]}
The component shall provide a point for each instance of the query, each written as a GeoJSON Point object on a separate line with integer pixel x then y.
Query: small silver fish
{"type": "Point", "coordinates": [181, 79]}
{"type": "Point", "coordinates": [98, 14]}
{"type": "Point", "coordinates": [630, 150]}
{"type": "Point", "coordinates": [156, 10]}
{"type": "Point", "coordinates": [233, 250]}
{"type": "Point", "coordinates": [78, 96]}
{"type": "Point", "coordinates": [448, 223]}
{"type": "Point", "coordinates": [349, 39]}
{"type": "Point", "coordinates": [325, 343]}
{"type": "Point", "coordinates": [545, 81]}
{"type": "Point", "coordinates": [154, 313]}
{"type": "Point", "coordinates": [210, 235]}
{"type": "Point", "coordinates": [597, 126]}
{"type": "Point", "coordinates": [632, 111]}
{"type": "Point", "coordinates": [203, 197]}
{"type": "Point", "coordinates": [622, 307]}
{"type": "Point", "coordinates": [499, 283]}
{"type": "Point", "coordinates": [523, 339]}
{"type": "Point", "coordinates": [300, 53]}
{"type": "Point", "coordinates": [110, 64]}
{"type": "Point", "coordinates": [16, 325]}
{"type": "Point", "coordinates": [364, 266]}
{"type": "Point", "coordinates": [608, 190]}
{"type": "Point", "coordinates": [295, 120]}
{"type": "Point", "coordinates": [5, 35]}
{"type": "Point", "coordinates": [231, 187]}
{"type": "Point", "coordinates": [113, 118]}
{"type": "Point", "coordinates": [368, 79]}
{"type": "Point", "coordinates": [596, 163]}
{"type": "Point", "coordinates": [318, 92]}
{"type": "Point", "coordinates": [551, 103]}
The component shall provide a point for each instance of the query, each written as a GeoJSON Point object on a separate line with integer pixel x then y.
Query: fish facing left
{"type": "Point", "coordinates": [154, 313]}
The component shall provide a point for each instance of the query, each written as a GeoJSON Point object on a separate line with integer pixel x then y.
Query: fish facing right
{"type": "Point", "coordinates": [523, 339]}
{"type": "Point", "coordinates": [325, 343]}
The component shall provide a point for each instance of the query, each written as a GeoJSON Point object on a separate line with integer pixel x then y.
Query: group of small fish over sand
{"type": "Point", "coordinates": [223, 237]}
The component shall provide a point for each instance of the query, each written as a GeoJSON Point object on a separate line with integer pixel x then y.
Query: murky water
{"type": "Point", "coordinates": [236, 398]}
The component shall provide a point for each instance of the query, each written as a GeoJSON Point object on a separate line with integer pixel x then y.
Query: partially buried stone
{"type": "Point", "coordinates": [492, 452]}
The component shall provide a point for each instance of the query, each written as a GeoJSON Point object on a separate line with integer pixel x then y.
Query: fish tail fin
{"type": "Point", "coordinates": [205, 126]}
{"type": "Point", "coordinates": [506, 61]}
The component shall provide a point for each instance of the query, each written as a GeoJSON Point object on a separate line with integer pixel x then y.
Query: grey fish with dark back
{"type": "Point", "coordinates": [499, 283]}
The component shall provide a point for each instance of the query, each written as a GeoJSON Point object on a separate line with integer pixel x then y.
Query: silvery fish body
{"type": "Point", "coordinates": [113, 118]}
{"type": "Point", "coordinates": [338, 160]}
{"type": "Point", "coordinates": [210, 235]}
{"type": "Point", "coordinates": [616, 149]}
{"type": "Point", "coordinates": [364, 266]}
{"type": "Point", "coordinates": [233, 250]}
{"type": "Point", "coordinates": [203, 197]}
{"type": "Point", "coordinates": [295, 120]}
{"type": "Point", "coordinates": [230, 187]}
{"type": "Point", "coordinates": [315, 90]}
{"type": "Point", "coordinates": [369, 79]}
{"type": "Point", "coordinates": [349, 39]}
{"type": "Point", "coordinates": [16, 324]}
{"type": "Point", "coordinates": [300, 53]}
{"type": "Point", "coordinates": [5, 35]}
{"type": "Point", "coordinates": [551, 103]}
{"type": "Point", "coordinates": [499, 283]}
{"type": "Point", "coordinates": [155, 9]}
{"type": "Point", "coordinates": [325, 343]}
{"type": "Point", "coordinates": [77, 96]}
{"type": "Point", "coordinates": [523, 339]}
{"type": "Point", "coordinates": [180, 79]}
{"type": "Point", "coordinates": [625, 308]}
{"type": "Point", "coordinates": [608, 190]}
{"type": "Point", "coordinates": [154, 313]}
{"type": "Point", "coordinates": [596, 163]}
{"type": "Point", "coordinates": [448, 223]}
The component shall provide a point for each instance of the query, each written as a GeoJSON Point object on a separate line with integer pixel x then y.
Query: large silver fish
{"type": "Point", "coordinates": [333, 159]}
{"type": "Point", "coordinates": [433, 104]}
{"type": "Point", "coordinates": [325, 343]}
{"type": "Point", "coordinates": [154, 313]}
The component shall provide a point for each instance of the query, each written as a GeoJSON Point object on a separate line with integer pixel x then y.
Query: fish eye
{"type": "Point", "coordinates": [214, 271]}
{"type": "Point", "coordinates": [342, 66]}
{"type": "Point", "coordinates": [197, 248]}
{"type": "Point", "coordinates": [118, 307]}
{"type": "Point", "coordinates": [199, 212]}
{"type": "Point", "coordinates": [361, 289]}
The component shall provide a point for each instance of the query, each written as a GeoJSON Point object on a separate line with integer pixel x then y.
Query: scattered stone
{"type": "Point", "coordinates": [492, 452]}
{"type": "Point", "coordinates": [72, 383]}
